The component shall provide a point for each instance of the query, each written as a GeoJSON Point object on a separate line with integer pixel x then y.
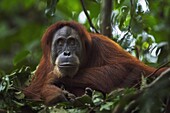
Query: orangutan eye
{"type": "Point", "coordinates": [60, 42]}
{"type": "Point", "coordinates": [71, 41]}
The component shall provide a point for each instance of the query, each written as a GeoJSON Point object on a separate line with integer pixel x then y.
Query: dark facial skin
{"type": "Point", "coordinates": [66, 52]}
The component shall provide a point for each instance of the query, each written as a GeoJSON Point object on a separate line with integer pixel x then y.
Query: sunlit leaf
{"type": "Point", "coordinates": [142, 6]}
{"type": "Point", "coordinates": [5, 84]}
{"type": "Point", "coordinates": [106, 106]}
{"type": "Point", "coordinates": [145, 45]}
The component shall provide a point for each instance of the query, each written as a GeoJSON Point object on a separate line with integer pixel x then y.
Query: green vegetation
{"type": "Point", "coordinates": [141, 27]}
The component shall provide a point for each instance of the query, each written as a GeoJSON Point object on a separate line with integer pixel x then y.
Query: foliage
{"type": "Point", "coordinates": [118, 101]}
{"type": "Point", "coordinates": [139, 26]}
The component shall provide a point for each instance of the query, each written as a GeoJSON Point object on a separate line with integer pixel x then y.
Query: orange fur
{"type": "Point", "coordinates": [106, 66]}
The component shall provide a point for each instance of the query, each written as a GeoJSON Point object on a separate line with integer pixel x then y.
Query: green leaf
{"type": "Point", "coordinates": [124, 13]}
{"type": "Point", "coordinates": [50, 10]}
{"type": "Point", "coordinates": [19, 95]}
{"type": "Point", "coordinates": [18, 103]}
{"type": "Point", "coordinates": [20, 56]}
{"type": "Point", "coordinates": [4, 84]}
{"type": "Point", "coordinates": [137, 24]}
{"type": "Point", "coordinates": [145, 45]}
{"type": "Point", "coordinates": [20, 77]}
{"type": "Point", "coordinates": [106, 106]}
{"type": "Point", "coordinates": [75, 110]}
{"type": "Point", "coordinates": [143, 82]}
{"type": "Point", "coordinates": [84, 100]}
{"type": "Point", "coordinates": [97, 98]}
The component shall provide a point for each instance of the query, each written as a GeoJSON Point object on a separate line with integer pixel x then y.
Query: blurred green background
{"type": "Point", "coordinates": [22, 23]}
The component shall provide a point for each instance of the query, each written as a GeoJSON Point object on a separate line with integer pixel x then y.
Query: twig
{"type": "Point", "coordinates": [87, 15]}
{"type": "Point", "coordinates": [167, 108]}
{"type": "Point", "coordinates": [131, 15]}
{"type": "Point", "coordinates": [158, 69]}
{"type": "Point", "coordinates": [153, 72]}
{"type": "Point", "coordinates": [137, 52]}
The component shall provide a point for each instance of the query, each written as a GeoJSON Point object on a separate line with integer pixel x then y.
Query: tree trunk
{"type": "Point", "coordinates": [106, 10]}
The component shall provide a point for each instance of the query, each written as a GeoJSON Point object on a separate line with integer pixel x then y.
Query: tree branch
{"type": "Point", "coordinates": [87, 15]}
{"type": "Point", "coordinates": [106, 11]}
